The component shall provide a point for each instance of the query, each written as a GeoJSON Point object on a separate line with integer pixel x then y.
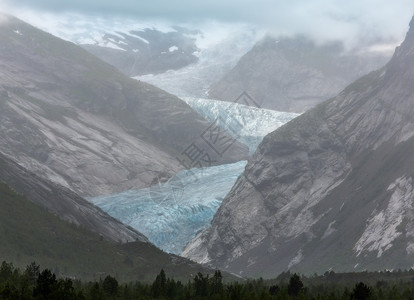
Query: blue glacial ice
{"type": "Point", "coordinates": [247, 124]}
{"type": "Point", "coordinates": [170, 214]}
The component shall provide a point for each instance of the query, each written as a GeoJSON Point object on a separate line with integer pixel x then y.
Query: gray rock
{"type": "Point", "coordinates": [294, 74]}
{"type": "Point", "coordinates": [64, 203]}
{"type": "Point", "coordinates": [332, 189]}
{"type": "Point", "coordinates": [78, 121]}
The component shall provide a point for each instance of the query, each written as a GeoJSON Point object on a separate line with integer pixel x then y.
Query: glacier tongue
{"type": "Point", "coordinates": [247, 124]}
{"type": "Point", "coordinates": [217, 55]}
{"type": "Point", "coordinates": [170, 214]}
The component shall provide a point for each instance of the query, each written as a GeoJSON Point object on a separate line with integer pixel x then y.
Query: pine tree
{"type": "Point", "coordinates": [45, 285]}
{"type": "Point", "coordinates": [110, 286]}
{"type": "Point", "coordinates": [295, 285]}
{"type": "Point", "coordinates": [159, 286]}
{"type": "Point", "coordinates": [361, 292]}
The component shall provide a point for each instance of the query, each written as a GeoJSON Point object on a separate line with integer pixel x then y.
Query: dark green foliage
{"type": "Point", "coordinates": [158, 287]}
{"type": "Point", "coordinates": [217, 283]}
{"type": "Point", "coordinates": [201, 285]}
{"type": "Point", "coordinates": [361, 292]}
{"type": "Point", "coordinates": [95, 292]}
{"type": "Point", "coordinates": [295, 285]}
{"type": "Point", "coordinates": [46, 285]}
{"type": "Point", "coordinates": [33, 284]}
{"type": "Point", "coordinates": [6, 271]}
{"type": "Point", "coordinates": [32, 273]}
{"type": "Point", "coordinates": [273, 290]}
{"type": "Point", "coordinates": [110, 286]}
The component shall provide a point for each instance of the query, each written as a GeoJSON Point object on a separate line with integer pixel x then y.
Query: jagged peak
{"type": "Point", "coordinates": [412, 22]}
{"type": "Point", "coordinates": [410, 33]}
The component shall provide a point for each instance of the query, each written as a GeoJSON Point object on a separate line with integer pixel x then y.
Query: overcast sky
{"type": "Point", "coordinates": [352, 20]}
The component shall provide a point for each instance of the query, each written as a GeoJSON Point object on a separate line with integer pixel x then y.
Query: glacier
{"type": "Point", "coordinates": [170, 214]}
{"type": "Point", "coordinates": [218, 54]}
{"type": "Point", "coordinates": [247, 124]}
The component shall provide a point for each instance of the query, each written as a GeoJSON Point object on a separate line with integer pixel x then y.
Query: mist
{"type": "Point", "coordinates": [356, 23]}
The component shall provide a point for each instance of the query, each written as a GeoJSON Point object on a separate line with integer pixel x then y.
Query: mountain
{"type": "Point", "coordinates": [30, 233]}
{"type": "Point", "coordinates": [145, 51]}
{"type": "Point", "coordinates": [330, 190]}
{"type": "Point", "coordinates": [64, 203]}
{"type": "Point", "coordinates": [181, 59]}
{"type": "Point", "coordinates": [215, 59]}
{"type": "Point", "coordinates": [294, 74]}
{"type": "Point", "coordinates": [76, 120]}
{"type": "Point", "coordinates": [170, 214]}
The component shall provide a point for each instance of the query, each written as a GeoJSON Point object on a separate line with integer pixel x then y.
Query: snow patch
{"type": "Point", "coordinates": [141, 38]}
{"type": "Point", "coordinates": [381, 230]}
{"type": "Point", "coordinates": [112, 45]}
{"type": "Point", "coordinates": [329, 230]}
{"type": "Point", "coordinates": [410, 248]}
{"type": "Point", "coordinates": [79, 28]}
{"type": "Point", "coordinates": [297, 259]}
{"type": "Point", "coordinates": [173, 48]}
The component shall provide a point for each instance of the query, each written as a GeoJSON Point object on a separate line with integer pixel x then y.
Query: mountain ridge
{"type": "Point", "coordinates": [64, 203]}
{"type": "Point", "coordinates": [121, 133]}
{"type": "Point", "coordinates": [294, 74]}
{"type": "Point", "coordinates": [332, 189]}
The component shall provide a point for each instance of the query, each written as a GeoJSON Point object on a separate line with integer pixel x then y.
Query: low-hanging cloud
{"type": "Point", "coordinates": [3, 18]}
{"type": "Point", "coordinates": [352, 21]}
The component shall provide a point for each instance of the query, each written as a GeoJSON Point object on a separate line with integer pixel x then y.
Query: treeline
{"type": "Point", "coordinates": [33, 283]}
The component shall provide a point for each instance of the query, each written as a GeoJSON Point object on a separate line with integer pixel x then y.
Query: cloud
{"type": "Point", "coordinates": [3, 8]}
{"type": "Point", "coordinates": [353, 21]}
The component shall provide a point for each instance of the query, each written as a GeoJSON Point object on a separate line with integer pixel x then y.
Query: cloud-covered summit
{"type": "Point", "coordinates": [352, 21]}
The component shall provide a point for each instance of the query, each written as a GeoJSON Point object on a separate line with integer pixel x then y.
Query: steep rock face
{"type": "Point", "coordinates": [64, 203]}
{"type": "Point", "coordinates": [72, 118]}
{"type": "Point", "coordinates": [294, 74]}
{"type": "Point", "coordinates": [330, 189]}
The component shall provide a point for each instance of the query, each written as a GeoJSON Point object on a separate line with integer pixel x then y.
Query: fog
{"type": "Point", "coordinates": [356, 22]}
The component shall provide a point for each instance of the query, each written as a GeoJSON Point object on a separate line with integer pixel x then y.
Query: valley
{"type": "Point", "coordinates": [171, 214]}
{"type": "Point", "coordinates": [240, 155]}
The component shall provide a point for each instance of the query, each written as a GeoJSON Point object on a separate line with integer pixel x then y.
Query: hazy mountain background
{"type": "Point", "coordinates": [295, 74]}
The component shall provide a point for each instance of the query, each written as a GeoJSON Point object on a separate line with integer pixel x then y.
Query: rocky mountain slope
{"type": "Point", "coordinates": [72, 118]}
{"type": "Point", "coordinates": [30, 233]}
{"type": "Point", "coordinates": [294, 74]}
{"type": "Point", "coordinates": [332, 189]}
{"type": "Point", "coordinates": [64, 203]}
